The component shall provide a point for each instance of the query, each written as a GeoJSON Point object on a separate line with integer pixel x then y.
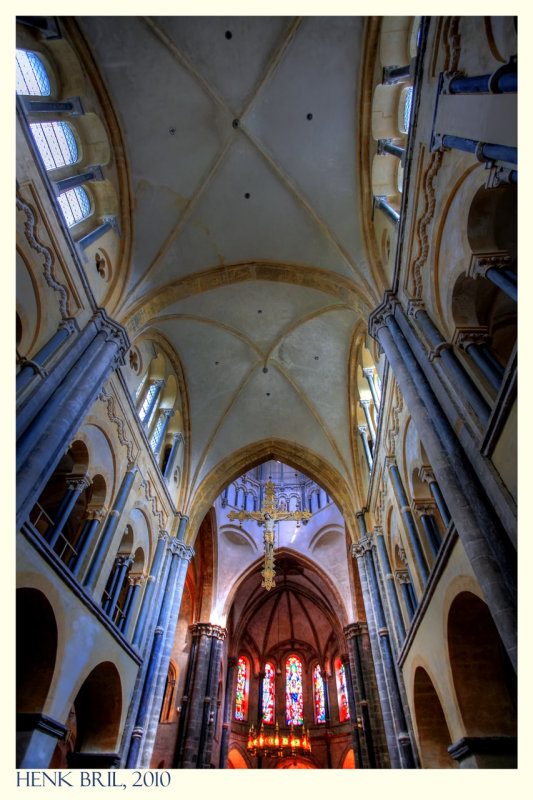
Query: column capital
{"type": "Point", "coordinates": [378, 530]}
{"type": "Point", "coordinates": [359, 548]}
{"type": "Point", "coordinates": [207, 629]}
{"type": "Point", "coordinates": [69, 324]}
{"type": "Point", "coordinates": [114, 332]}
{"type": "Point", "coordinates": [136, 579]}
{"type": "Point", "coordinates": [179, 548]}
{"type": "Point", "coordinates": [380, 315]}
{"type": "Point", "coordinates": [464, 337]}
{"type": "Point", "coordinates": [167, 412]}
{"type": "Point", "coordinates": [480, 264]}
{"type": "Point", "coordinates": [424, 507]}
{"type": "Point", "coordinates": [78, 482]}
{"type": "Point", "coordinates": [365, 402]}
{"type": "Point", "coordinates": [426, 474]}
{"type": "Point", "coordinates": [368, 372]}
{"type": "Point", "coordinates": [355, 629]}
{"type": "Point", "coordinates": [163, 536]}
{"type": "Point", "coordinates": [95, 512]}
{"type": "Point", "coordinates": [362, 429]}
{"type": "Point", "coordinates": [390, 461]}
{"type": "Point", "coordinates": [414, 305]}
{"type": "Point", "coordinates": [402, 576]}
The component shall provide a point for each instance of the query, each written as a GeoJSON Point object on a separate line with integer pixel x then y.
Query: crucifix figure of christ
{"type": "Point", "coordinates": [268, 516]}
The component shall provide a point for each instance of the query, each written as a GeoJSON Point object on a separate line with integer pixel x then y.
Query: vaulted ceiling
{"type": "Point", "coordinates": [247, 256]}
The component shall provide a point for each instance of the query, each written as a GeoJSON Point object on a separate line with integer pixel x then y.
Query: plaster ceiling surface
{"type": "Point", "coordinates": [206, 258]}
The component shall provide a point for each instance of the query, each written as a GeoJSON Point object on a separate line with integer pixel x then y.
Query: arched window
{"type": "Point", "coordinates": [147, 401]}
{"type": "Point", "coordinates": [241, 692]}
{"type": "Point", "coordinates": [320, 703]}
{"type": "Point", "coordinates": [269, 693]}
{"type": "Point", "coordinates": [342, 694]}
{"type": "Point", "coordinates": [154, 441]}
{"type": "Point", "coordinates": [56, 143]}
{"type": "Point", "coordinates": [75, 205]}
{"type": "Point", "coordinates": [31, 74]}
{"type": "Point", "coordinates": [294, 702]}
{"type": "Point", "coordinates": [406, 102]}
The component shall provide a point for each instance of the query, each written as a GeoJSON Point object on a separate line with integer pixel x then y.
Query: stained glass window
{"type": "Point", "coordinates": [74, 204]}
{"type": "Point", "coordinates": [154, 441]}
{"type": "Point", "coordinates": [56, 143]}
{"type": "Point", "coordinates": [344, 711]}
{"type": "Point", "coordinates": [320, 703]}
{"type": "Point", "coordinates": [269, 693]}
{"type": "Point", "coordinates": [146, 404]}
{"type": "Point", "coordinates": [294, 694]}
{"type": "Point", "coordinates": [31, 74]}
{"type": "Point", "coordinates": [241, 693]}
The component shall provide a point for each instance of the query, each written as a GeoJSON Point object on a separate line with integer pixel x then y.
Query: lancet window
{"type": "Point", "coordinates": [241, 692]}
{"type": "Point", "coordinates": [269, 694]}
{"type": "Point", "coordinates": [294, 692]}
{"type": "Point", "coordinates": [320, 703]}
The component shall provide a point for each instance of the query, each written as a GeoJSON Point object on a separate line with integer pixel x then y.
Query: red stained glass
{"type": "Point", "coordinates": [241, 694]}
{"type": "Point", "coordinates": [320, 704]}
{"type": "Point", "coordinates": [269, 693]}
{"type": "Point", "coordinates": [294, 703]}
{"type": "Point", "coordinates": [344, 711]}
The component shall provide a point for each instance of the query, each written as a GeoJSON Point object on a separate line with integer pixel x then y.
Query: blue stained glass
{"type": "Point", "coordinates": [31, 74]}
{"type": "Point", "coordinates": [56, 143]}
{"type": "Point", "coordinates": [74, 204]}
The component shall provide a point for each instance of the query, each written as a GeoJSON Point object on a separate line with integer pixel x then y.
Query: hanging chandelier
{"type": "Point", "coordinates": [278, 745]}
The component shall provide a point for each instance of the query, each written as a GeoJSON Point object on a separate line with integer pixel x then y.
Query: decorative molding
{"type": "Point", "coordinates": [402, 576]}
{"type": "Point", "coordinates": [426, 474]}
{"type": "Point", "coordinates": [48, 257]}
{"type": "Point", "coordinates": [452, 44]}
{"type": "Point", "coordinates": [464, 337]}
{"type": "Point", "coordinates": [109, 400]}
{"type": "Point", "coordinates": [425, 221]}
{"type": "Point", "coordinates": [208, 629]}
{"type": "Point", "coordinates": [145, 484]}
{"type": "Point", "coordinates": [480, 263]}
{"type": "Point", "coordinates": [179, 548]}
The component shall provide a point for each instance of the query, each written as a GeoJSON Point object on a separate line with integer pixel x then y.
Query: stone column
{"type": "Point", "coordinates": [365, 405]}
{"type": "Point", "coordinates": [426, 474]}
{"type": "Point", "coordinates": [229, 694]}
{"type": "Point", "coordinates": [391, 587]}
{"type": "Point", "coordinates": [210, 701]}
{"type": "Point", "coordinates": [143, 734]}
{"type": "Point", "coordinates": [193, 746]}
{"type": "Point", "coordinates": [404, 580]}
{"type": "Point", "coordinates": [426, 512]}
{"type": "Point", "coordinates": [155, 397]}
{"type": "Point", "coordinates": [352, 706]}
{"type": "Point", "coordinates": [352, 633]}
{"type": "Point", "coordinates": [368, 372]}
{"type": "Point", "coordinates": [75, 486]}
{"type": "Point", "coordinates": [120, 569]}
{"type": "Point", "coordinates": [167, 414]}
{"type": "Point", "coordinates": [177, 438]}
{"type": "Point", "coordinates": [44, 432]}
{"type": "Point", "coordinates": [94, 517]}
{"type": "Point", "coordinates": [405, 509]}
{"type": "Point", "coordinates": [36, 739]}
{"type": "Point", "coordinates": [368, 454]}
{"type": "Point", "coordinates": [358, 551]}
{"type": "Point", "coordinates": [162, 540]}
{"type": "Point", "coordinates": [135, 583]}
{"type": "Point", "coordinates": [474, 341]}
{"type": "Point", "coordinates": [28, 368]}
{"type": "Point", "coordinates": [110, 527]}
{"type": "Point", "coordinates": [364, 548]}
{"type": "Point", "coordinates": [486, 542]}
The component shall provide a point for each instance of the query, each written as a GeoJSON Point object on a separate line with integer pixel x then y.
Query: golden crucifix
{"type": "Point", "coordinates": [268, 516]}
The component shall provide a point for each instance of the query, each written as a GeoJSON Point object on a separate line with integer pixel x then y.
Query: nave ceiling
{"type": "Point", "coordinates": [246, 252]}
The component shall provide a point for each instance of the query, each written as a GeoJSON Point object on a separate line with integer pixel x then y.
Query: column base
{"type": "Point", "coordinates": [485, 752]}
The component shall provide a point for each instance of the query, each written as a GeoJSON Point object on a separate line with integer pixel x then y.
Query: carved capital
{"type": "Point", "coordinates": [380, 315]}
{"type": "Point", "coordinates": [78, 482]}
{"type": "Point", "coordinates": [180, 549]}
{"type": "Point", "coordinates": [355, 629]}
{"type": "Point", "coordinates": [402, 576]}
{"type": "Point", "coordinates": [95, 512]}
{"type": "Point", "coordinates": [414, 305]}
{"type": "Point", "coordinates": [390, 461]}
{"type": "Point", "coordinates": [481, 263]}
{"type": "Point", "coordinates": [437, 350]}
{"type": "Point", "coordinates": [361, 547]}
{"type": "Point", "coordinates": [425, 507]}
{"type": "Point", "coordinates": [208, 629]}
{"type": "Point", "coordinates": [498, 175]}
{"type": "Point", "coordinates": [464, 337]}
{"type": "Point", "coordinates": [426, 474]}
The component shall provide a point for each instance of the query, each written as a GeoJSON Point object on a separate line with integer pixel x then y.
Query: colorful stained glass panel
{"type": "Point", "coordinates": [294, 694]}
{"type": "Point", "coordinates": [241, 694]}
{"type": "Point", "coordinates": [320, 703]}
{"type": "Point", "coordinates": [344, 711]}
{"type": "Point", "coordinates": [268, 693]}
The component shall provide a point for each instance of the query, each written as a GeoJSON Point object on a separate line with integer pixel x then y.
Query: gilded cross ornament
{"type": "Point", "coordinates": [268, 516]}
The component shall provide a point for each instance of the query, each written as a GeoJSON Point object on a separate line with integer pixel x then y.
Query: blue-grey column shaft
{"type": "Point", "coordinates": [74, 489]}
{"type": "Point", "coordinates": [153, 401]}
{"type": "Point", "coordinates": [459, 380]}
{"type": "Point", "coordinates": [205, 742]}
{"type": "Point", "coordinates": [43, 442]}
{"type": "Point", "coordinates": [440, 501]}
{"type": "Point", "coordinates": [26, 372]}
{"type": "Point", "coordinates": [83, 545]}
{"type": "Point", "coordinates": [151, 677]}
{"type": "Point", "coordinates": [434, 544]}
{"type": "Point", "coordinates": [123, 566]}
{"type": "Point", "coordinates": [180, 739]}
{"type": "Point", "coordinates": [505, 280]}
{"type": "Point", "coordinates": [226, 721]}
{"type": "Point", "coordinates": [366, 448]}
{"type": "Point", "coordinates": [110, 527]}
{"type": "Point", "coordinates": [167, 413]}
{"type": "Point", "coordinates": [353, 634]}
{"type": "Point", "coordinates": [112, 581]}
{"type": "Point", "coordinates": [172, 455]}
{"type": "Point", "coordinates": [129, 605]}
{"type": "Point", "coordinates": [148, 592]}
{"type": "Point", "coordinates": [369, 375]}
{"type": "Point", "coordinates": [487, 545]}
{"type": "Point", "coordinates": [369, 422]}
{"type": "Point", "coordinates": [182, 553]}
{"type": "Point", "coordinates": [391, 587]}
{"type": "Point", "coordinates": [352, 707]}
{"type": "Point", "coordinates": [384, 699]}
{"type": "Point", "coordinates": [390, 671]}
{"type": "Point", "coordinates": [409, 523]}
